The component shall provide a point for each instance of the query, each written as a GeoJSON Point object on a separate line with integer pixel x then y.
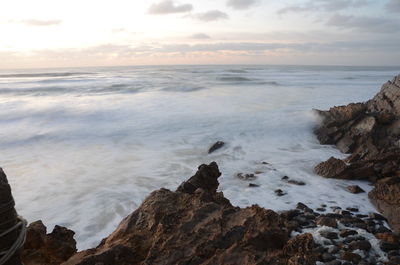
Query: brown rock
{"type": "Point", "coordinates": [349, 256]}
{"type": "Point", "coordinates": [355, 189]}
{"type": "Point", "coordinates": [326, 221]}
{"type": "Point", "coordinates": [197, 225]}
{"type": "Point", "coordinates": [216, 146]}
{"type": "Point", "coordinates": [49, 249]}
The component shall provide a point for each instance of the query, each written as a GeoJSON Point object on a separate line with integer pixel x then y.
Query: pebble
{"type": "Point", "coordinates": [348, 232]}
{"type": "Point", "coordinates": [329, 235]}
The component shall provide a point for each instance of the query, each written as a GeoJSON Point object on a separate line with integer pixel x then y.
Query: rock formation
{"type": "Point", "coordinates": [370, 133]}
{"type": "Point", "coordinates": [198, 225]}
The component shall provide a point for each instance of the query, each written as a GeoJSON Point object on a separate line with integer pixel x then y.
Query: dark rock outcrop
{"type": "Point", "coordinates": [8, 219]}
{"type": "Point", "coordinates": [370, 131]}
{"type": "Point", "coordinates": [197, 225]}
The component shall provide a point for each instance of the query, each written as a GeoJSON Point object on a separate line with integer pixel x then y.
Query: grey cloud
{"type": "Point", "coordinates": [40, 23]}
{"type": "Point", "coordinates": [200, 36]}
{"type": "Point", "coordinates": [393, 6]}
{"type": "Point", "coordinates": [371, 24]}
{"type": "Point", "coordinates": [169, 7]}
{"type": "Point", "coordinates": [241, 4]}
{"type": "Point", "coordinates": [212, 15]}
{"type": "Point", "coordinates": [323, 5]}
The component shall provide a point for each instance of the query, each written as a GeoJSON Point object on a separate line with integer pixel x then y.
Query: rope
{"type": "Point", "coordinates": [19, 242]}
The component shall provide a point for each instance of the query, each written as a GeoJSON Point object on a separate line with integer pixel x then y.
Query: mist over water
{"type": "Point", "coordinates": [83, 147]}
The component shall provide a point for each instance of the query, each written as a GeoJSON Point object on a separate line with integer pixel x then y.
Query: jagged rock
{"type": "Point", "coordinates": [386, 198]}
{"type": "Point", "coordinates": [216, 146]}
{"type": "Point", "coordinates": [50, 249]}
{"type": "Point", "coordinates": [197, 225]}
{"type": "Point", "coordinates": [371, 132]}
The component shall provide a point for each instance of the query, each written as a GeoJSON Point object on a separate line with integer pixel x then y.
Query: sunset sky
{"type": "Point", "coordinates": [63, 33]}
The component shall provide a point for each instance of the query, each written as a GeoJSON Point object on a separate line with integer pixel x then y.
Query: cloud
{"type": "Point", "coordinates": [393, 6]}
{"type": "Point", "coordinates": [39, 23]}
{"type": "Point", "coordinates": [212, 15]}
{"type": "Point", "coordinates": [200, 36]}
{"type": "Point", "coordinates": [324, 6]}
{"type": "Point", "coordinates": [169, 7]}
{"type": "Point", "coordinates": [241, 4]}
{"type": "Point", "coordinates": [364, 23]}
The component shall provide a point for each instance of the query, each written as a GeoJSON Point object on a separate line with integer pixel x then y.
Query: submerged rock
{"type": "Point", "coordinates": [370, 131]}
{"type": "Point", "coordinates": [216, 146]}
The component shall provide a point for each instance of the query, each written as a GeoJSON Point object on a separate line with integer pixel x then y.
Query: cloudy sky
{"type": "Point", "coordinates": [48, 33]}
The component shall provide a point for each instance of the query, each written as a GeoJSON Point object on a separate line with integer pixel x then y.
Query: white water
{"type": "Point", "coordinates": [83, 147]}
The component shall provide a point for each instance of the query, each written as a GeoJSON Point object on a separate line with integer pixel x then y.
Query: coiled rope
{"type": "Point", "coordinates": [19, 242]}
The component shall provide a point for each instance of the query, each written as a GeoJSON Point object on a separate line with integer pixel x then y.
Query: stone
{"type": "Point", "coordinates": [329, 235]}
{"type": "Point", "coordinates": [296, 182]}
{"type": "Point", "coordinates": [362, 245]}
{"type": "Point", "coordinates": [355, 189]}
{"type": "Point", "coordinates": [326, 257]}
{"type": "Point", "coordinates": [252, 185]}
{"type": "Point", "coordinates": [246, 176]}
{"type": "Point", "coordinates": [386, 246]}
{"type": "Point", "coordinates": [217, 145]}
{"type": "Point", "coordinates": [280, 192]}
{"type": "Point", "coordinates": [349, 256]}
{"type": "Point", "coordinates": [326, 221]}
{"type": "Point", "coordinates": [347, 232]}
{"type": "Point", "coordinates": [352, 209]}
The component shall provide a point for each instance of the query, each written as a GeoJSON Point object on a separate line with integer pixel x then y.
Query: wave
{"type": "Point", "coordinates": [237, 71]}
{"type": "Point", "coordinates": [235, 79]}
{"type": "Point", "coordinates": [43, 75]}
{"type": "Point", "coordinates": [183, 89]}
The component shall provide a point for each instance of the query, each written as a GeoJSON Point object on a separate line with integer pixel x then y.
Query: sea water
{"type": "Point", "coordinates": [83, 147]}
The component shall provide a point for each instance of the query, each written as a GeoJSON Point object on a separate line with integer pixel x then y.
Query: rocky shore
{"type": "Point", "coordinates": [196, 224]}
{"type": "Point", "coordinates": [370, 133]}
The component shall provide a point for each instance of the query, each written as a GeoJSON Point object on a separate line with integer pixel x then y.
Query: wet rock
{"type": "Point", "coordinates": [348, 232]}
{"type": "Point", "coordinates": [333, 249]}
{"type": "Point", "coordinates": [355, 189]}
{"type": "Point", "coordinates": [305, 208]}
{"type": "Point", "coordinates": [334, 262]}
{"type": "Point", "coordinates": [243, 176]}
{"type": "Point", "coordinates": [205, 178]}
{"type": "Point", "coordinates": [216, 146]}
{"type": "Point", "coordinates": [376, 216]}
{"type": "Point", "coordinates": [296, 182]}
{"type": "Point", "coordinates": [326, 221]}
{"type": "Point", "coordinates": [362, 245]}
{"type": "Point", "coordinates": [252, 185]}
{"type": "Point", "coordinates": [280, 192]}
{"type": "Point", "coordinates": [285, 178]}
{"type": "Point", "coordinates": [326, 257]}
{"type": "Point", "coordinates": [386, 246]}
{"type": "Point", "coordinates": [329, 235]}
{"type": "Point", "coordinates": [388, 237]}
{"type": "Point", "coordinates": [349, 256]}
{"type": "Point", "coordinates": [352, 209]}
{"type": "Point", "coordinates": [320, 209]}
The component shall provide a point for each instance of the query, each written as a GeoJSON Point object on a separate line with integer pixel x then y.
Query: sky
{"type": "Point", "coordinates": [72, 33]}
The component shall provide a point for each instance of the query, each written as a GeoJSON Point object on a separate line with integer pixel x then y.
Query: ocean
{"type": "Point", "coordinates": [83, 147]}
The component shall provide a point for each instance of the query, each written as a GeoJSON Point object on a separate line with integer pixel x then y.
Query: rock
{"type": "Point", "coordinates": [326, 221]}
{"type": "Point", "coordinates": [349, 256]}
{"type": "Point", "coordinates": [8, 219]}
{"type": "Point", "coordinates": [348, 232]}
{"type": "Point", "coordinates": [326, 257]}
{"type": "Point", "coordinates": [355, 189]}
{"type": "Point", "coordinates": [333, 249]}
{"type": "Point", "coordinates": [386, 246]}
{"type": "Point", "coordinates": [296, 182]}
{"type": "Point", "coordinates": [370, 131]}
{"type": "Point", "coordinates": [352, 209]}
{"type": "Point", "coordinates": [50, 249]}
{"type": "Point", "coordinates": [246, 176]}
{"type": "Point", "coordinates": [280, 192]}
{"type": "Point", "coordinates": [205, 178]}
{"type": "Point", "coordinates": [362, 245]}
{"type": "Point", "coordinates": [216, 146]}
{"type": "Point", "coordinates": [252, 185]}
{"type": "Point", "coordinates": [198, 225]}
{"type": "Point", "coordinates": [329, 235]}
{"type": "Point", "coordinates": [386, 198]}
{"type": "Point", "coordinates": [388, 237]}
